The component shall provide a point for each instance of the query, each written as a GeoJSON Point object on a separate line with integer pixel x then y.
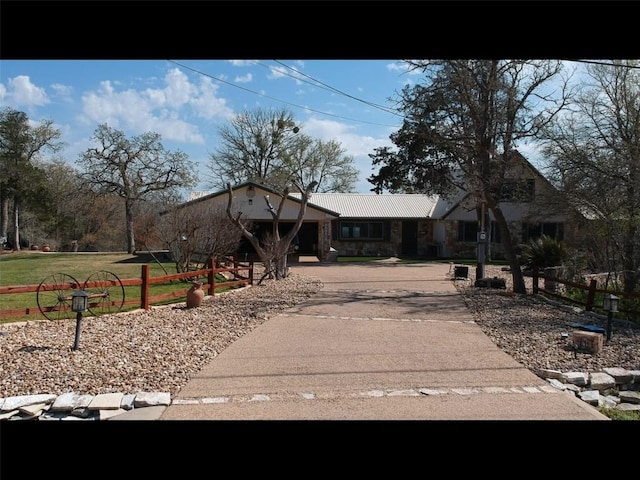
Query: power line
{"type": "Point", "coordinates": [276, 99]}
{"type": "Point", "coordinates": [330, 88]}
{"type": "Point", "coordinates": [606, 64]}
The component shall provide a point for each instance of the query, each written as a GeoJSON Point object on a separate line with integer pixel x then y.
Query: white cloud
{"type": "Point", "coordinates": [162, 110]}
{"type": "Point", "coordinates": [244, 79]}
{"type": "Point", "coordinates": [206, 104]}
{"type": "Point", "coordinates": [243, 63]}
{"type": "Point", "coordinates": [277, 72]}
{"type": "Point", "coordinates": [355, 145]}
{"type": "Point", "coordinates": [21, 92]}
{"type": "Point", "coordinates": [177, 92]}
{"type": "Point", "coordinates": [401, 68]}
{"type": "Point", "coordinates": [62, 90]}
{"type": "Point", "coordinates": [351, 141]}
{"type": "Point", "coordinates": [404, 73]}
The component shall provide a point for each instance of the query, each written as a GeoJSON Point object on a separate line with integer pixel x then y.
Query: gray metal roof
{"type": "Point", "coordinates": [365, 205]}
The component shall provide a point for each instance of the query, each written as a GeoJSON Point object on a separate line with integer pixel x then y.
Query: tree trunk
{"type": "Point", "coordinates": [5, 218]}
{"type": "Point", "coordinates": [512, 258]}
{"type": "Point", "coordinates": [131, 241]}
{"type": "Point", "coordinates": [275, 252]}
{"type": "Point", "coordinates": [16, 223]}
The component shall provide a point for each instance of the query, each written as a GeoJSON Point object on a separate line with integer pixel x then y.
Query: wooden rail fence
{"type": "Point", "coordinates": [146, 300]}
{"type": "Point", "coordinates": [591, 290]}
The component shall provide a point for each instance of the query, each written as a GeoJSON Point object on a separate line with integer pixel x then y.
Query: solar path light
{"type": "Point", "coordinates": [79, 301]}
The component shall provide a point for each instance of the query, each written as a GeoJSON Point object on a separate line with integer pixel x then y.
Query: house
{"type": "Point", "coordinates": [414, 225]}
{"type": "Point", "coordinates": [314, 236]}
{"type": "Point", "coordinates": [532, 206]}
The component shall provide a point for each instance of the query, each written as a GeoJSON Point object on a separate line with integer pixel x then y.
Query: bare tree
{"type": "Point", "coordinates": [324, 162]}
{"type": "Point", "coordinates": [133, 169]}
{"type": "Point", "coordinates": [195, 234]}
{"type": "Point", "coordinates": [594, 152]}
{"type": "Point", "coordinates": [254, 146]}
{"type": "Point", "coordinates": [274, 248]}
{"type": "Point", "coordinates": [265, 146]}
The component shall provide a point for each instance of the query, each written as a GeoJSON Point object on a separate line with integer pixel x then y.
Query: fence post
{"type": "Point", "coordinates": [144, 288]}
{"type": "Point", "coordinates": [535, 280]}
{"type": "Point", "coordinates": [251, 272]}
{"type": "Point", "coordinates": [212, 276]}
{"type": "Point", "coordinates": [591, 295]}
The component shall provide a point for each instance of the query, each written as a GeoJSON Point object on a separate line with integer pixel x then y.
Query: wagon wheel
{"type": "Point", "coordinates": [54, 296]}
{"type": "Point", "coordinates": [106, 293]}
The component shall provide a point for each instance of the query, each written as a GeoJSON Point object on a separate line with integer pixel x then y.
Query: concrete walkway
{"type": "Point", "coordinates": [380, 341]}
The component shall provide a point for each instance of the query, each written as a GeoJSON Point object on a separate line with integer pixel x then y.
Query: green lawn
{"type": "Point", "coordinates": [36, 267]}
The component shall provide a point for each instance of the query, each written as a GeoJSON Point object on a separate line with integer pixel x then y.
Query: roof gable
{"type": "Point", "coordinates": [259, 191]}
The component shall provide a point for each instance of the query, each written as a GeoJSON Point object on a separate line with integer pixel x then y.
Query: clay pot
{"type": "Point", "coordinates": [195, 295]}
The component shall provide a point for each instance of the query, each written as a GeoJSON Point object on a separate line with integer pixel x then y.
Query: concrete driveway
{"type": "Point", "coordinates": [380, 341]}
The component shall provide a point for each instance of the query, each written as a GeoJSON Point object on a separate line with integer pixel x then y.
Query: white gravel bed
{"type": "Point", "coordinates": [152, 351]}
{"type": "Point", "coordinates": [530, 328]}
{"type": "Point", "coordinates": [159, 349]}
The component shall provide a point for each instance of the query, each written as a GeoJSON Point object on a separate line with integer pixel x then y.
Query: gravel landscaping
{"type": "Point", "coordinates": [153, 351]}
{"type": "Point", "coordinates": [159, 349]}
{"type": "Point", "coordinates": [530, 328]}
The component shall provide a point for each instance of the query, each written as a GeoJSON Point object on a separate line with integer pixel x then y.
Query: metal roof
{"type": "Point", "coordinates": [365, 205]}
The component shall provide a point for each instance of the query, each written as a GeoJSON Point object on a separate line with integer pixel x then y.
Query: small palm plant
{"type": "Point", "coordinates": [543, 252]}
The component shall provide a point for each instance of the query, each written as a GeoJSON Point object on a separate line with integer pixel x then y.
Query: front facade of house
{"type": "Point", "coordinates": [409, 225]}
{"type": "Point", "coordinates": [249, 200]}
{"type": "Point", "coordinates": [530, 204]}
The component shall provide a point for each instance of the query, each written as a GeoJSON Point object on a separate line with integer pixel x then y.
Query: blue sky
{"type": "Point", "coordinates": [185, 101]}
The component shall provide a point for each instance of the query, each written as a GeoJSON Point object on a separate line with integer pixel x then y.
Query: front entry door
{"type": "Point", "coordinates": [409, 237]}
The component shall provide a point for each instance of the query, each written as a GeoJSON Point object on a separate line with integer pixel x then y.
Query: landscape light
{"type": "Point", "coordinates": [610, 305]}
{"type": "Point", "coordinates": [79, 301]}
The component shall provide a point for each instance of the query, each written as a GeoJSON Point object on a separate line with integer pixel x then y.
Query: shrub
{"type": "Point", "coordinates": [543, 252]}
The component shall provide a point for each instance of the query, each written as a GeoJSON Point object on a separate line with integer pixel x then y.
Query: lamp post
{"type": "Point", "coordinates": [610, 305]}
{"type": "Point", "coordinates": [79, 301]}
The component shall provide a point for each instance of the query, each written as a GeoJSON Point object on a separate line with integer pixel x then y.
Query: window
{"type": "Point", "coordinates": [468, 232]}
{"type": "Point", "coordinates": [531, 231]}
{"type": "Point", "coordinates": [361, 231]}
{"type": "Point", "coordinates": [495, 233]}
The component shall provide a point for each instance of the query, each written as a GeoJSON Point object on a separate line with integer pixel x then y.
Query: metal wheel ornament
{"type": "Point", "coordinates": [106, 293]}
{"type": "Point", "coordinates": [54, 296]}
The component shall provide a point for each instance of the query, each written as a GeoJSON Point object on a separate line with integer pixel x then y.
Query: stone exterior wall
{"type": "Point", "coordinates": [426, 247]}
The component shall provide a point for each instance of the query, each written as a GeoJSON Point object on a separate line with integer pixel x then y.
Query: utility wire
{"type": "Point", "coordinates": [606, 64]}
{"type": "Point", "coordinates": [276, 99]}
{"type": "Point", "coordinates": [330, 88]}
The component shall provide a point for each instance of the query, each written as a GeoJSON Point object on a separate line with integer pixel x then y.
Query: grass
{"type": "Point", "coordinates": [614, 414]}
{"type": "Point", "coordinates": [34, 267]}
